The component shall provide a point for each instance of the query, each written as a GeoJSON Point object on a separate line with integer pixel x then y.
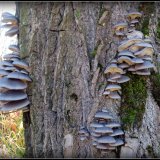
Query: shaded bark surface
{"type": "Point", "coordinates": [68, 46]}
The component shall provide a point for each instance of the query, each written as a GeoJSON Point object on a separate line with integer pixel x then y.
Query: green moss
{"type": "Point", "coordinates": [134, 94]}
{"type": "Point", "coordinates": [150, 151]}
{"type": "Point", "coordinates": [145, 28]}
{"type": "Point", "coordinates": [78, 14]}
{"type": "Point", "coordinates": [158, 29]}
{"type": "Point", "coordinates": [155, 80]}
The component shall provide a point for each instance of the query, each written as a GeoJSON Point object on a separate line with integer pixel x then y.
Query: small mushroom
{"type": "Point", "coordinates": [13, 95]}
{"type": "Point", "coordinates": [146, 57]}
{"type": "Point", "coordinates": [9, 56]}
{"type": "Point", "coordinates": [132, 68]}
{"type": "Point", "coordinates": [95, 134]}
{"type": "Point", "coordinates": [21, 64]}
{"type": "Point", "coordinates": [137, 60]}
{"type": "Point", "coordinates": [12, 84]}
{"type": "Point", "coordinates": [123, 79]}
{"type": "Point", "coordinates": [145, 51]}
{"type": "Point", "coordinates": [117, 132]}
{"type": "Point", "coordinates": [112, 124]}
{"type": "Point", "coordinates": [135, 34]}
{"type": "Point", "coordinates": [114, 95]}
{"type": "Point", "coordinates": [3, 73]}
{"type": "Point", "coordinates": [103, 130]}
{"type": "Point", "coordinates": [13, 31]}
{"type": "Point", "coordinates": [134, 15]}
{"type": "Point", "coordinates": [134, 21]}
{"type": "Point", "coordinates": [96, 125]}
{"type": "Point", "coordinates": [143, 72]}
{"type": "Point", "coordinates": [6, 63]}
{"type": "Point", "coordinates": [19, 75]}
{"type": "Point", "coordinates": [145, 65]}
{"type": "Point", "coordinates": [123, 65]}
{"type": "Point", "coordinates": [106, 92]}
{"type": "Point", "coordinates": [115, 76]}
{"type": "Point", "coordinates": [101, 146]}
{"type": "Point", "coordinates": [11, 19]}
{"type": "Point", "coordinates": [106, 139]}
{"type": "Point", "coordinates": [103, 115]}
{"type": "Point", "coordinates": [113, 87]}
{"type": "Point", "coordinates": [113, 68]}
{"type": "Point", "coordinates": [126, 60]}
{"type": "Point", "coordinates": [126, 53]}
{"type": "Point", "coordinates": [14, 48]}
{"type": "Point", "coordinates": [14, 105]}
{"type": "Point", "coordinates": [119, 142]}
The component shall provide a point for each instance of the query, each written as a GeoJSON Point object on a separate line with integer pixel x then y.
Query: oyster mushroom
{"type": "Point", "coordinates": [123, 79]}
{"type": "Point", "coordinates": [14, 48]}
{"type": "Point", "coordinates": [113, 68]}
{"type": "Point", "coordinates": [118, 142]}
{"type": "Point", "coordinates": [114, 95]}
{"type": "Point", "coordinates": [126, 53]}
{"type": "Point", "coordinates": [126, 60]}
{"type": "Point", "coordinates": [103, 115]}
{"type": "Point", "coordinates": [13, 31]}
{"type": "Point", "coordinates": [113, 87]}
{"type": "Point", "coordinates": [117, 132]}
{"type": "Point", "coordinates": [106, 139]}
{"type": "Point", "coordinates": [134, 15]}
{"type": "Point", "coordinates": [145, 65]}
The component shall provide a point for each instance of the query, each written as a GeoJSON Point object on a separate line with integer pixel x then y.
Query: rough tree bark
{"type": "Point", "coordinates": [68, 46]}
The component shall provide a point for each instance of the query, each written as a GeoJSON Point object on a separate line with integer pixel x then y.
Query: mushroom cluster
{"type": "Point", "coordinates": [105, 132]}
{"type": "Point", "coordinates": [134, 55]}
{"type": "Point", "coordinates": [11, 22]}
{"type": "Point", "coordinates": [14, 74]}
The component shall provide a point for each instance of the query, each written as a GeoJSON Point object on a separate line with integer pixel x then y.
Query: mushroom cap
{"type": "Point", "coordinates": [103, 115]}
{"type": "Point", "coordinates": [115, 76]}
{"type": "Point", "coordinates": [106, 139]}
{"type": "Point", "coordinates": [111, 80]}
{"type": "Point", "coordinates": [117, 132]}
{"type": "Point", "coordinates": [21, 64]}
{"type": "Point", "coordinates": [147, 40]}
{"type": "Point", "coordinates": [9, 56]}
{"type": "Point", "coordinates": [9, 18]}
{"type": "Point", "coordinates": [145, 51]}
{"type": "Point", "coordinates": [114, 61]}
{"type": "Point", "coordinates": [94, 143]}
{"type": "Point", "coordinates": [123, 65]}
{"type": "Point", "coordinates": [123, 79]}
{"type": "Point", "coordinates": [105, 110]}
{"type": "Point", "coordinates": [95, 134]}
{"type": "Point", "coordinates": [112, 124]}
{"type": "Point", "coordinates": [12, 95]}
{"type": "Point", "coordinates": [132, 68]}
{"type": "Point", "coordinates": [113, 87]}
{"type": "Point", "coordinates": [24, 71]}
{"type": "Point", "coordinates": [114, 95]}
{"type": "Point", "coordinates": [143, 72]}
{"type": "Point", "coordinates": [14, 48]}
{"type": "Point", "coordinates": [145, 65]}
{"type": "Point", "coordinates": [13, 31]}
{"type": "Point", "coordinates": [8, 25]}
{"type": "Point", "coordinates": [19, 75]}
{"type": "Point", "coordinates": [128, 43]}
{"type": "Point", "coordinates": [14, 105]}
{"type": "Point", "coordinates": [4, 14]}
{"type": "Point", "coordinates": [120, 25]}
{"type": "Point", "coordinates": [126, 60]}
{"type": "Point", "coordinates": [101, 146]}
{"type": "Point", "coordinates": [12, 84]}
{"type": "Point", "coordinates": [113, 68]}
{"type": "Point", "coordinates": [134, 21]}
{"type": "Point", "coordinates": [106, 92]}
{"type": "Point", "coordinates": [148, 58]}
{"type": "Point", "coordinates": [96, 125]}
{"type": "Point", "coordinates": [137, 60]}
{"type": "Point", "coordinates": [6, 63]}
{"type": "Point", "coordinates": [3, 72]}
{"type": "Point", "coordinates": [126, 53]}
{"type": "Point", "coordinates": [10, 68]}
{"type": "Point", "coordinates": [118, 33]}
{"type": "Point", "coordinates": [119, 142]}
{"type": "Point", "coordinates": [135, 34]}
{"type": "Point", "coordinates": [144, 44]}
{"type": "Point", "coordinates": [134, 15]}
{"type": "Point", "coordinates": [103, 130]}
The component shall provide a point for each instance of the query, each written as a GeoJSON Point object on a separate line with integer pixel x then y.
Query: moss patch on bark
{"type": "Point", "coordinates": [134, 94]}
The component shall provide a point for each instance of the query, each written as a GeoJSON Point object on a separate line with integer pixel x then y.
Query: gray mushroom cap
{"type": "Point", "coordinates": [10, 68]}
{"type": "Point", "coordinates": [103, 130]}
{"type": "Point", "coordinates": [113, 68]}
{"type": "Point", "coordinates": [14, 48]}
{"type": "Point", "coordinates": [132, 68]}
{"type": "Point", "coordinates": [95, 135]}
{"type": "Point", "coordinates": [7, 19]}
{"type": "Point", "coordinates": [126, 60]}
{"type": "Point", "coordinates": [96, 125]}
{"type": "Point", "coordinates": [113, 87]}
{"type": "Point", "coordinates": [19, 75]}
{"type": "Point", "coordinates": [123, 79]}
{"type": "Point", "coordinates": [114, 61]}
{"type": "Point", "coordinates": [14, 105]}
{"type": "Point", "coordinates": [117, 132]}
{"type": "Point", "coordinates": [126, 53]}
{"type": "Point", "coordinates": [115, 76]}
{"type": "Point", "coordinates": [143, 72]}
{"type": "Point", "coordinates": [111, 80]}
{"type": "Point", "coordinates": [6, 14]}
{"type": "Point", "coordinates": [112, 124]}
{"type": "Point", "coordinates": [123, 65]}
{"type": "Point", "coordinates": [134, 21]}
{"type": "Point", "coordinates": [114, 95]}
{"type": "Point", "coordinates": [106, 139]}
{"type": "Point", "coordinates": [9, 56]}
{"type": "Point", "coordinates": [103, 115]}
{"type": "Point", "coordinates": [105, 110]}
{"type": "Point", "coordinates": [145, 51]}
{"type": "Point", "coordinates": [145, 65]}
{"type": "Point", "coordinates": [106, 92]}
{"type": "Point", "coordinates": [148, 58]}
{"type": "Point", "coordinates": [101, 146]}
{"type": "Point", "coordinates": [12, 95]}
{"type": "Point", "coordinates": [134, 15]}
{"type": "Point", "coordinates": [6, 63]}
{"type": "Point", "coordinates": [137, 60]}
{"type": "Point", "coordinates": [21, 64]}
{"type": "Point", "coordinates": [13, 31]}
{"type": "Point", "coordinates": [119, 142]}
{"type": "Point", "coordinates": [120, 25]}
{"type": "Point", "coordinates": [128, 43]}
{"type": "Point", "coordinates": [12, 84]}
{"type": "Point", "coordinates": [135, 34]}
{"type": "Point", "coordinates": [3, 72]}
{"type": "Point", "coordinates": [8, 25]}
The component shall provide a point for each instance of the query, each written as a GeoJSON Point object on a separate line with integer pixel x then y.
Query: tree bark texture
{"type": "Point", "coordinates": [68, 45]}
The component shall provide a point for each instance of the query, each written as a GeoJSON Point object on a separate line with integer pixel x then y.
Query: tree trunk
{"type": "Point", "coordinates": [68, 46]}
